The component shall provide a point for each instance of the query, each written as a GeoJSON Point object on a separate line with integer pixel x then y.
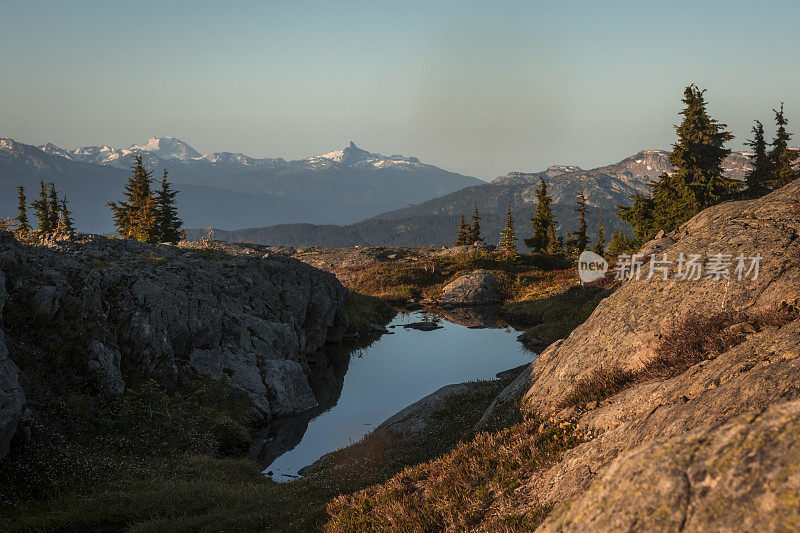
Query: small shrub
{"type": "Point", "coordinates": [602, 384]}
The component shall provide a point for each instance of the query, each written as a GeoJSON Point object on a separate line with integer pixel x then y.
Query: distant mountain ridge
{"type": "Point", "coordinates": [434, 222]}
{"type": "Point", "coordinates": [227, 189]}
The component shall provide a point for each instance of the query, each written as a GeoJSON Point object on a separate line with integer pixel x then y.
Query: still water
{"type": "Point", "coordinates": [396, 371]}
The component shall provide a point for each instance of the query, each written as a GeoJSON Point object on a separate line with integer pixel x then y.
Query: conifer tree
{"type": "Point", "coordinates": [475, 231]}
{"type": "Point", "coordinates": [135, 217]}
{"type": "Point", "coordinates": [508, 237]}
{"type": "Point", "coordinates": [581, 241]}
{"type": "Point", "coordinates": [463, 233]}
{"type": "Point", "coordinates": [53, 207]}
{"type": "Point", "coordinates": [621, 243]}
{"type": "Point", "coordinates": [65, 222]}
{"type": "Point", "coordinates": [41, 209]}
{"type": "Point", "coordinates": [144, 222]}
{"type": "Point", "coordinates": [559, 248]}
{"type": "Point", "coordinates": [758, 179]}
{"type": "Point", "coordinates": [543, 223]}
{"type": "Point", "coordinates": [696, 182]}
{"type": "Point", "coordinates": [781, 157]}
{"type": "Point", "coordinates": [23, 225]}
{"type": "Point", "coordinates": [600, 247]}
{"type": "Point", "coordinates": [168, 224]}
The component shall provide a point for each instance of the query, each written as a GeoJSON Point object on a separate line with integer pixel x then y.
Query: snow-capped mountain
{"type": "Point", "coordinates": [168, 148]}
{"type": "Point", "coordinates": [158, 150]}
{"type": "Point", "coordinates": [354, 157]}
{"type": "Point", "coordinates": [230, 190]}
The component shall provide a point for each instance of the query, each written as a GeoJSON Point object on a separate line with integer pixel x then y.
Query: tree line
{"type": "Point", "coordinates": [145, 214]}
{"type": "Point", "coordinates": [695, 183]}
{"type": "Point", "coordinates": [543, 223]}
{"type": "Point", "coordinates": [51, 211]}
{"type": "Point", "coordinates": [697, 180]}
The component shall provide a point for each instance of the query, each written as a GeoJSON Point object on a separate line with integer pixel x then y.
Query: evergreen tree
{"type": "Point", "coordinates": [463, 233]}
{"type": "Point", "coordinates": [41, 209]}
{"type": "Point", "coordinates": [543, 223]}
{"type": "Point", "coordinates": [696, 182]}
{"type": "Point", "coordinates": [475, 231]}
{"type": "Point", "coordinates": [621, 244]}
{"type": "Point", "coordinates": [758, 179]}
{"type": "Point", "coordinates": [144, 222]}
{"type": "Point", "coordinates": [53, 207]}
{"type": "Point", "coordinates": [781, 157]}
{"type": "Point", "coordinates": [508, 237]}
{"type": "Point", "coordinates": [65, 222]}
{"type": "Point", "coordinates": [600, 247]}
{"type": "Point", "coordinates": [167, 222]}
{"type": "Point", "coordinates": [559, 248]}
{"type": "Point", "coordinates": [23, 225]}
{"type": "Point", "coordinates": [135, 217]}
{"type": "Point", "coordinates": [580, 241]}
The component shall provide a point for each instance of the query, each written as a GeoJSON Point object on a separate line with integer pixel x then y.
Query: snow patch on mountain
{"type": "Point", "coordinates": [168, 148]}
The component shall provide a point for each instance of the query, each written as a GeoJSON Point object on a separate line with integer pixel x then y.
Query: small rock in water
{"type": "Point", "coordinates": [423, 326]}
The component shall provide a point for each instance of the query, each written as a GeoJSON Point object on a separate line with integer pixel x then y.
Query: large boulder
{"type": "Point", "coordinates": [172, 312]}
{"type": "Point", "coordinates": [711, 447]}
{"type": "Point", "coordinates": [741, 476]}
{"type": "Point", "coordinates": [476, 288]}
{"type": "Point", "coordinates": [627, 326]}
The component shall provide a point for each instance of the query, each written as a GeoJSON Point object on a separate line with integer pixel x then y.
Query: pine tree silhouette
{"type": "Point", "coordinates": [759, 178]}
{"type": "Point", "coordinates": [508, 237]}
{"type": "Point", "coordinates": [41, 209]}
{"type": "Point", "coordinates": [781, 157]}
{"type": "Point", "coordinates": [23, 225]}
{"type": "Point", "coordinates": [462, 238]}
{"type": "Point", "coordinates": [65, 224]}
{"type": "Point", "coordinates": [543, 223]}
{"type": "Point", "coordinates": [475, 232]}
{"type": "Point", "coordinates": [168, 224]}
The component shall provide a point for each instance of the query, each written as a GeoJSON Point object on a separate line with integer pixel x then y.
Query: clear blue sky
{"type": "Point", "coordinates": [475, 87]}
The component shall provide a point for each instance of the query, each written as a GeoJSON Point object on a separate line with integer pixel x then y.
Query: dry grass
{"type": "Point", "coordinates": [552, 317]}
{"type": "Point", "coordinates": [460, 490]}
{"type": "Point", "coordinates": [518, 276]}
{"type": "Point", "coordinates": [694, 339]}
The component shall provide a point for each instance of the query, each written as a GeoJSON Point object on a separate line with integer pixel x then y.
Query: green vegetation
{"type": "Point", "coordinates": [543, 223]}
{"type": "Point", "coordinates": [23, 226]}
{"type": "Point", "coordinates": [547, 319]}
{"type": "Point", "coordinates": [508, 237]}
{"type": "Point", "coordinates": [696, 182]}
{"type": "Point", "coordinates": [757, 180]}
{"type": "Point", "coordinates": [363, 310]}
{"type": "Point", "coordinates": [781, 157]}
{"type": "Point", "coordinates": [52, 213]}
{"type": "Point", "coordinates": [469, 233]}
{"type": "Point", "coordinates": [156, 461]}
{"type": "Point", "coordinates": [579, 241]}
{"type": "Point", "coordinates": [144, 215]}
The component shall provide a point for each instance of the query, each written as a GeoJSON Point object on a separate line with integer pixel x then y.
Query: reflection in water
{"type": "Point", "coordinates": [358, 392]}
{"type": "Point", "coordinates": [485, 316]}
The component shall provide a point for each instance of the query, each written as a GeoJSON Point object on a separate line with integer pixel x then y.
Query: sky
{"type": "Point", "coordinates": [481, 88]}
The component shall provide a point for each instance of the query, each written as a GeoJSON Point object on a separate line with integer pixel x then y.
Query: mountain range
{"type": "Point", "coordinates": [434, 222]}
{"type": "Point", "coordinates": [224, 189]}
